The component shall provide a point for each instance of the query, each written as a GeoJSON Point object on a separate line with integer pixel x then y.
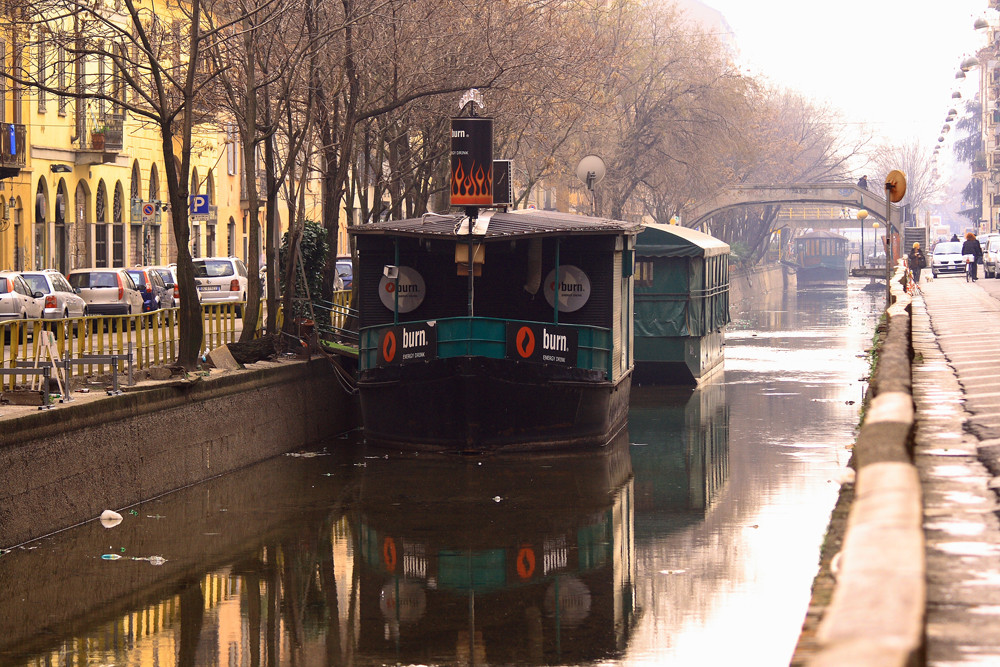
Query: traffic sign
{"type": "Point", "coordinates": [148, 213]}
{"type": "Point", "coordinates": [198, 207]}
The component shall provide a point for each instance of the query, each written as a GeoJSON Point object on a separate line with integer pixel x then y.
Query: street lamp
{"type": "Point", "coordinates": [875, 227]}
{"type": "Point", "coordinates": [862, 214]}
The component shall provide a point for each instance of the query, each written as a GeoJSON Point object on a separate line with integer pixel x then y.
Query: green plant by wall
{"type": "Point", "coordinates": [313, 250]}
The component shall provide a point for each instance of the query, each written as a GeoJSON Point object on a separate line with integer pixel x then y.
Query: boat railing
{"type": "Point", "coordinates": [488, 337]}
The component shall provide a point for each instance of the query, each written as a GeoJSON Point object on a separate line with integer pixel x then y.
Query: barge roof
{"type": "Point", "coordinates": [658, 240]}
{"type": "Point", "coordinates": [501, 225]}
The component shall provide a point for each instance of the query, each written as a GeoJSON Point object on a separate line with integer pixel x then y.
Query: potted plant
{"type": "Point", "coordinates": [97, 137]}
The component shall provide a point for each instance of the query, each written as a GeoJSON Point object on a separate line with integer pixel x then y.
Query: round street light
{"type": "Point", "coordinates": [956, 95]}
{"type": "Point", "coordinates": [980, 24]}
{"type": "Point", "coordinates": [959, 74]}
{"type": "Point", "coordinates": [969, 63]}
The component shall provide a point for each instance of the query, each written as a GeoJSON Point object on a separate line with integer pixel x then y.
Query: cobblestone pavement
{"type": "Point", "coordinates": [956, 388]}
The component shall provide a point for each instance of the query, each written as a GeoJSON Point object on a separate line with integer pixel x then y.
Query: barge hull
{"type": "Point", "coordinates": [479, 404]}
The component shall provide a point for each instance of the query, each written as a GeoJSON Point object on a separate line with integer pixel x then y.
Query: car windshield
{"type": "Point", "coordinates": [36, 282]}
{"type": "Point", "coordinates": [948, 248]}
{"type": "Point", "coordinates": [212, 268]}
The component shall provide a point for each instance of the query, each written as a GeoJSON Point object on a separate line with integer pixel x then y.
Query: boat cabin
{"type": "Point", "coordinates": [681, 304]}
{"type": "Point", "coordinates": [511, 329]}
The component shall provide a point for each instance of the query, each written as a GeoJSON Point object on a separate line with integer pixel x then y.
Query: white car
{"type": "Point", "coordinates": [107, 291]}
{"type": "Point", "coordinates": [991, 256]}
{"type": "Point", "coordinates": [221, 280]}
{"type": "Point", "coordinates": [947, 258]}
{"type": "Point", "coordinates": [61, 300]}
{"type": "Point", "coordinates": [17, 301]}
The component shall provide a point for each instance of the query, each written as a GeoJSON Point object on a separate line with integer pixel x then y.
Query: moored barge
{"type": "Point", "coordinates": [511, 330]}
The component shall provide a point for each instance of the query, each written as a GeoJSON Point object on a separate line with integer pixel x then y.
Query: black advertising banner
{"type": "Point", "coordinates": [544, 343]}
{"type": "Point", "coordinates": [406, 344]}
{"type": "Point", "coordinates": [471, 161]}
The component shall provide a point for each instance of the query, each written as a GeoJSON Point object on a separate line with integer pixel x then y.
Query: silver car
{"type": "Point", "coordinates": [60, 300]}
{"type": "Point", "coordinates": [107, 291]}
{"type": "Point", "coordinates": [17, 301]}
{"type": "Point", "coordinates": [991, 256]}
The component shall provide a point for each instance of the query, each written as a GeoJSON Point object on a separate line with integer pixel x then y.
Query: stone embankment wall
{"type": "Point", "coordinates": [748, 283]}
{"type": "Point", "coordinates": [876, 614]}
{"type": "Point", "coordinates": [64, 466]}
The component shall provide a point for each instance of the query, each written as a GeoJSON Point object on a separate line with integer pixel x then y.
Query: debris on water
{"type": "Point", "coordinates": [110, 557]}
{"type": "Point", "coordinates": [305, 455]}
{"type": "Point", "coordinates": [83, 390]}
{"type": "Point", "coordinates": [849, 402]}
{"type": "Point", "coordinates": [361, 465]}
{"type": "Point", "coordinates": [328, 474]}
{"type": "Point", "coordinates": [133, 512]}
{"type": "Point", "coordinates": [497, 499]}
{"type": "Point", "coordinates": [153, 560]}
{"type": "Point", "coordinates": [110, 518]}
{"type": "Point", "coordinates": [672, 571]}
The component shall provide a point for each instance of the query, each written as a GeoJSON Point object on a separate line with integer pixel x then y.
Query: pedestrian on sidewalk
{"type": "Point", "coordinates": [917, 261]}
{"type": "Point", "coordinates": [973, 253]}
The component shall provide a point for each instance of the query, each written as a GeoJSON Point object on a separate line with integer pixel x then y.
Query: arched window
{"type": "Point", "coordinates": [101, 256]}
{"type": "Point", "coordinates": [118, 227]}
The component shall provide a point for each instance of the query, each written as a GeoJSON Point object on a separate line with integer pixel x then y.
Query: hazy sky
{"type": "Point", "coordinates": [890, 64]}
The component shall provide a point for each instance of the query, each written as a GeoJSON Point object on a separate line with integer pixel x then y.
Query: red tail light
{"type": "Point", "coordinates": [234, 286]}
{"type": "Point", "coordinates": [121, 287]}
{"type": "Point", "coordinates": [177, 292]}
{"type": "Point", "coordinates": [50, 301]}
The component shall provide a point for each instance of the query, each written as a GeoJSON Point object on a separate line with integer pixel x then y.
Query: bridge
{"type": "Point", "coordinates": [838, 194]}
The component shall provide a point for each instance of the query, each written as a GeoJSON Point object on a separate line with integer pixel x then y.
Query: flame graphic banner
{"type": "Point", "coordinates": [471, 161]}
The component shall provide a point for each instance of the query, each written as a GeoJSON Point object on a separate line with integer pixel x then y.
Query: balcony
{"type": "Point", "coordinates": [12, 149]}
{"type": "Point", "coordinates": [100, 138]}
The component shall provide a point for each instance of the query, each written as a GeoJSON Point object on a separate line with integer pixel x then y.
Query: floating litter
{"type": "Point", "coordinates": [497, 499]}
{"type": "Point", "coordinates": [152, 560]}
{"type": "Point", "coordinates": [110, 518]}
{"type": "Point", "coordinates": [111, 556]}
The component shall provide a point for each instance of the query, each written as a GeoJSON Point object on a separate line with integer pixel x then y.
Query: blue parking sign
{"type": "Point", "coordinates": [198, 205]}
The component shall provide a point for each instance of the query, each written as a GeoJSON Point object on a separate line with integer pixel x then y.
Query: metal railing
{"type": "Point", "coordinates": [152, 337]}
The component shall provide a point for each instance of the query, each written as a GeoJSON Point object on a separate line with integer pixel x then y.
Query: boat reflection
{"type": "Point", "coordinates": [681, 449]}
{"type": "Point", "coordinates": [522, 559]}
{"type": "Point", "coordinates": [360, 559]}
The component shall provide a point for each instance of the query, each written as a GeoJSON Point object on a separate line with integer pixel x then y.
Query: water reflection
{"type": "Point", "coordinates": [382, 558]}
{"type": "Point", "coordinates": [505, 560]}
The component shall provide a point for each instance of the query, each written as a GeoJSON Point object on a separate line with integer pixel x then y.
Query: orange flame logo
{"type": "Point", "coordinates": [473, 188]}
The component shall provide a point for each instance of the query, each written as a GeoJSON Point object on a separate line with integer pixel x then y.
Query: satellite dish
{"type": "Point", "coordinates": [590, 171]}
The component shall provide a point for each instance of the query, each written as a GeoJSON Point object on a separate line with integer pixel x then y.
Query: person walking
{"type": "Point", "coordinates": [863, 182]}
{"type": "Point", "coordinates": [917, 261]}
{"type": "Point", "coordinates": [973, 253]}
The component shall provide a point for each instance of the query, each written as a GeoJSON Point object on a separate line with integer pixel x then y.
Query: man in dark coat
{"type": "Point", "coordinates": [973, 248]}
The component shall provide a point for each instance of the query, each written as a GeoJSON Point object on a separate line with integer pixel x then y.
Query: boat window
{"type": "Point", "coordinates": [643, 273]}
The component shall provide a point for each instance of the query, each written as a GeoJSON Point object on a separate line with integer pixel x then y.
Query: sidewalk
{"type": "Point", "coordinates": [956, 389]}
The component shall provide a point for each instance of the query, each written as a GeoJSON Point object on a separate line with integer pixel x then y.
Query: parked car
{"type": "Point", "coordinates": [155, 294]}
{"type": "Point", "coordinates": [221, 280]}
{"type": "Point", "coordinates": [947, 258]}
{"type": "Point", "coordinates": [107, 291]}
{"type": "Point", "coordinates": [17, 300]}
{"type": "Point", "coordinates": [168, 274]}
{"type": "Point", "coordinates": [60, 299]}
{"type": "Point", "coordinates": [345, 269]}
{"type": "Point", "coordinates": [991, 256]}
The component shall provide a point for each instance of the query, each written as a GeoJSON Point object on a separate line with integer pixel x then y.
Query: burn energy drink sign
{"type": "Point", "coordinates": [544, 343]}
{"type": "Point", "coordinates": [471, 161]}
{"type": "Point", "coordinates": [407, 344]}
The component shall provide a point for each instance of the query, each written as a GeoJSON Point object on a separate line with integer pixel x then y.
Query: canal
{"type": "Point", "coordinates": [692, 539]}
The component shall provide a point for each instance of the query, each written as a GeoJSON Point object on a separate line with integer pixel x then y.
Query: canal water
{"type": "Point", "coordinates": [691, 539]}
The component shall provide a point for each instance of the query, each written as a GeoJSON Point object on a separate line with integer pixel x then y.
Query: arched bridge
{"type": "Point", "coordinates": [843, 194]}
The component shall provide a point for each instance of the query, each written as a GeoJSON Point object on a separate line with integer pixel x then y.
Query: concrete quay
{"type": "Point", "coordinates": [918, 575]}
